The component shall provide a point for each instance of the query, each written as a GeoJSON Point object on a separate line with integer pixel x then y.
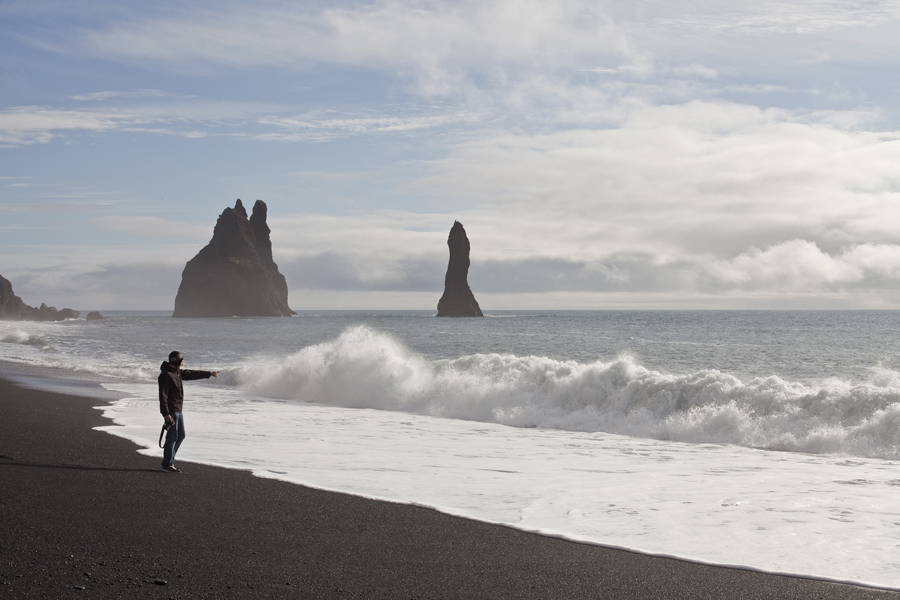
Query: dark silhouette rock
{"type": "Point", "coordinates": [234, 275]}
{"type": "Point", "coordinates": [458, 300]}
{"type": "Point", "coordinates": [13, 309]}
{"type": "Point", "coordinates": [94, 316]}
{"type": "Point", "coordinates": [11, 306]}
{"type": "Point", "coordinates": [57, 315]}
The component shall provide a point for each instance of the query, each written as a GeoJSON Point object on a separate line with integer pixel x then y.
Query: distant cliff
{"type": "Point", "coordinates": [458, 300]}
{"type": "Point", "coordinates": [13, 309]}
{"type": "Point", "coordinates": [234, 275]}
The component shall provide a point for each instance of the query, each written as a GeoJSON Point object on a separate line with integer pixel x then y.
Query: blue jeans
{"type": "Point", "coordinates": [174, 437]}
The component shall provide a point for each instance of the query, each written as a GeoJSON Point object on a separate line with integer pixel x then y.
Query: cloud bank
{"type": "Point", "coordinates": [596, 149]}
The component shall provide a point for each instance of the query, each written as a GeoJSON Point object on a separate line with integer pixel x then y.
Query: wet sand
{"type": "Point", "coordinates": [82, 514]}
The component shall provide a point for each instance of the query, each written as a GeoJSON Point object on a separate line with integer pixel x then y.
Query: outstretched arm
{"type": "Point", "coordinates": [187, 375]}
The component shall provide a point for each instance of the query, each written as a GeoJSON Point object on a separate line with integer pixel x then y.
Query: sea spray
{"type": "Point", "coordinates": [364, 368]}
{"type": "Point", "coordinates": [25, 338]}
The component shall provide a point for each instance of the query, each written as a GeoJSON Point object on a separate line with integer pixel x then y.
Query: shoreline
{"type": "Point", "coordinates": [76, 501]}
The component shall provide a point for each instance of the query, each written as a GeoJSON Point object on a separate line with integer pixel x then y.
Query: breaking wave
{"type": "Point", "coordinates": [27, 339]}
{"type": "Point", "coordinates": [363, 368]}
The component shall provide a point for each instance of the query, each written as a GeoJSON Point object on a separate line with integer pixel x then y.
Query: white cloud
{"type": "Point", "coordinates": [700, 198]}
{"type": "Point", "coordinates": [642, 69]}
{"type": "Point", "coordinates": [444, 48]}
{"type": "Point", "coordinates": [153, 227]}
{"type": "Point", "coordinates": [401, 255]}
{"type": "Point", "coordinates": [767, 18]}
{"type": "Point", "coordinates": [697, 177]}
{"type": "Point", "coordinates": [91, 282]}
{"type": "Point", "coordinates": [792, 268]}
{"type": "Point", "coordinates": [29, 125]}
{"type": "Point", "coordinates": [324, 127]}
{"type": "Point", "coordinates": [757, 88]}
{"type": "Point", "coordinates": [697, 70]}
{"type": "Point", "coordinates": [118, 95]}
{"type": "Point", "coordinates": [432, 40]}
{"type": "Point", "coordinates": [796, 265]}
{"type": "Point", "coordinates": [875, 260]}
{"type": "Point", "coordinates": [39, 124]}
{"type": "Point", "coordinates": [386, 233]}
{"type": "Point", "coordinates": [193, 119]}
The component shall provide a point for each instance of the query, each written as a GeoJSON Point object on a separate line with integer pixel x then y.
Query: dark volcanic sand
{"type": "Point", "coordinates": [82, 509]}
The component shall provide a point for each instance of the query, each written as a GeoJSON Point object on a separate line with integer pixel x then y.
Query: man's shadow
{"type": "Point", "coordinates": [5, 462]}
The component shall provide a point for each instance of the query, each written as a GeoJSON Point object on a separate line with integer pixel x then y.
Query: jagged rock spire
{"type": "Point", "coordinates": [234, 275]}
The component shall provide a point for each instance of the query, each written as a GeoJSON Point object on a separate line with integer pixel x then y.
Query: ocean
{"type": "Point", "coordinates": [767, 440]}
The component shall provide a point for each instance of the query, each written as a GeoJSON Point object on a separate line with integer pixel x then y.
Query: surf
{"type": "Point", "coordinates": [366, 368]}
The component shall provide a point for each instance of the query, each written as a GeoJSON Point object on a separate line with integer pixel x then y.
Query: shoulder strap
{"type": "Point", "coordinates": [162, 433]}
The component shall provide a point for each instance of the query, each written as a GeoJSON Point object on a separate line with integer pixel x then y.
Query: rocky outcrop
{"type": "Point", "coordinates": [13, 309]}
{"type": "Point", "coordinates": [94, 316]}
{"type": "Point", "coordinates": [52, 314]}
{"type": "Point", "coordinates": [11, 306]}
{"type": "Point", "coordinates": [234, 275]}
{"type": "Point", "coordinates": [458, 300]}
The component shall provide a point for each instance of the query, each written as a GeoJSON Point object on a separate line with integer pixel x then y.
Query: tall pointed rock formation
{"type": "Point", "coordinates": [234, 275]}
{"type": "Point", "coordinates": [458, 299]}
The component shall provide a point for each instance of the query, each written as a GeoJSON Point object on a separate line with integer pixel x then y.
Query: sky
{"type": "Point", "coordinates": [677, 154]}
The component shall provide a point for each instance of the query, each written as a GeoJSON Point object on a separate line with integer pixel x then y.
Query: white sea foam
{"type": "Point", "coordinates": [25, 338]}
{"type": "Point", "coordinates": [64, 346]}
{"type": "Point", "coordinates": [364, 368]}
{"type": "Point", "coordinates": [820, 516]}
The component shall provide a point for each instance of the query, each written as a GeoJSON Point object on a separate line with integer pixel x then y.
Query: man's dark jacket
{"type": "Point", "coordinates": [171, 392]}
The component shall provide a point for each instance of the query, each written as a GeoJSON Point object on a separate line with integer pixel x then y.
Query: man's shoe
{"type": "Point", "coordinates": [171, 469]}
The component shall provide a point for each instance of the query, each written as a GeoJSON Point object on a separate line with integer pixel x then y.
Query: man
{"type": "Point", "coordinates": [171, 400]}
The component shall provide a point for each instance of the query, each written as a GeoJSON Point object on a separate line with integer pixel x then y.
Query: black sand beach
{"type": "Point", "coordinates": [82, 514]}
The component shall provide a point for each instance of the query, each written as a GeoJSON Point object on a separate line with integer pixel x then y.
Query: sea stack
{"type": "Point", "coordinates": [234, 275]}
{"type": "Point", "coordinates": [458, 300]}
{"type": "Point", "coordinates": [13, 309]}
